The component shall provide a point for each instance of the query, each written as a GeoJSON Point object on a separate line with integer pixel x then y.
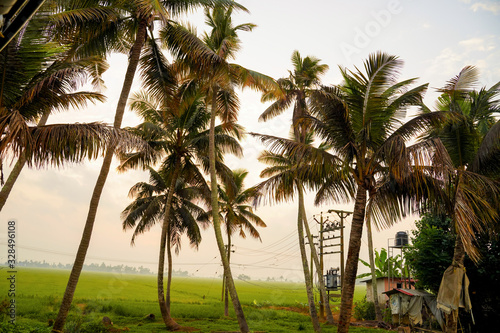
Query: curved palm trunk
{"type": "Point", "coordinates": [165, 239]}
{"type": "Point", "coordinates": [351, 268]}
{"type": "Point", "coordinates": [101, 180]}
{"type": "Point", "coordinates": [378, 312]}
{"type": "Point", "coordinates": [226, 291]}
{"type": "Point", "coordinates": [301, 220]}
{"type": "Point", "coordinates": [16, 171]}
{"type": "Point", "coordinates": [215, 217]}
{"type": "Point", "coordinates": [322, 289]}
{"type": "Point", "coordinates": [11, 180]}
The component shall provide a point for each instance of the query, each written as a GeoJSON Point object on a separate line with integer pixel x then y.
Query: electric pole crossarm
{"type": "Point", "coordinates": [332, 252]}
{"type": "Point", "coordinates": [330, 245]}
{"type": "Point", "coordinates": [333, 237]}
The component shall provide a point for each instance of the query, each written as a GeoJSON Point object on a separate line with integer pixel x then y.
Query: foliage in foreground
{"type": "Point", "coordinates": [432, 250]}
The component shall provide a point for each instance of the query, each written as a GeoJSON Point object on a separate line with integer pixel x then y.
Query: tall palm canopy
{"type": "Point", "coordinates": [236, 212]}
{"type": "Point", "coordinates": [363, 121]}
{"type": "Point", "coordinates": [219, 79]}
{"type": "Point", "coordinates": [39, 77]}
{"type": "Point", "coordinates": [470, 189]}
{"type": "Point", "coordinates": [175, 125]}
{"type": "Point", "coordinates": [286, 178]}
{"type": "Point", "coordinates": [100, 27]}
{"type": "Point", "coordinates": [472, 140]}
{"type": "Point", "coordinates": [297, 89]}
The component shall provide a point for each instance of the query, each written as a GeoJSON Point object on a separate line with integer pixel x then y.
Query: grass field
{"type": "Point", "coordinates": [129, 299]}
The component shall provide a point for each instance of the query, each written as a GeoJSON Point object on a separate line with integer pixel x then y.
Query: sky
{"type": "Point", "coordinates": [436, 39]}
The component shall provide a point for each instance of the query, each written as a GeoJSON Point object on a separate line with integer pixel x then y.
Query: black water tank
{"type": "Point", "coordinates": [401, 239]}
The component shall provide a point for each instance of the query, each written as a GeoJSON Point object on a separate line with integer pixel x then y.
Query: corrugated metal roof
{"type": "Point", "coordinates": [409, 292]}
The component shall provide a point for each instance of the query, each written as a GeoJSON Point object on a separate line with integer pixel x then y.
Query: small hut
{"type": "Point", "coordinates": [385, 283]}
{"type": "Point", "coordinates": [414, 307]}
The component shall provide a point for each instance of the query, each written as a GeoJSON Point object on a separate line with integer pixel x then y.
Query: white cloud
{"type": "Point", "coordinates": [478, 44]}
{"type": "Point", "coordinates": [488, 6]}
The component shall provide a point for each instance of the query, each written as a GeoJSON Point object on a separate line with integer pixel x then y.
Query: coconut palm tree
{"type": "Point", "coordinates": [40, 77]}
{"type": "Point", "coordinates": [297, 88]}
{"type": "Point", "coordinates": [362, 120]}
{"type": "Point", "coordinates": [237, 214]}
{"type": "Point", "coordinates": [102, 27]}
{"type": "Point", "coordinates": [149, 207]}
{"type": "Point", "coordinates": [175, 124]}
{"type": "Point", "coordinates": [220, 78]}
{"type": "Point", "coordinates": [472, 140]}
{"type": "Point", "coordinates": [283, 183]}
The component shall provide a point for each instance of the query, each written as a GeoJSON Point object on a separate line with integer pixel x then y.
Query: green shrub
{"type": "Point", "coordinates": [73, 325]}
{"type": "Point", "coordinates": [364, 310]}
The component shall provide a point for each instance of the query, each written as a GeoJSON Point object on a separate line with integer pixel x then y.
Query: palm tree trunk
{"type": "Point", "coordinates": [322, 289]}
{"type": "Point", "coordinates": [11, 180]}
{"type": "Point", "coordinates": [351, 268]}
{"type": "Point", "coordinates": [226, 291]}
{"type": "Point", "coordinates": [101, 180]}
{"type": "Point", "coordinates": [165, 238]}
{"type": "Point", "coordinates": [240, 315]}
{"type": "Point", "coordinates": [451, 319]}
{"type": "Point", "coordinates": [18, 167]}
{"type": "Point", "coordinates": [378, 312]}
{"type": "Point", "coordinates": [301, 220]}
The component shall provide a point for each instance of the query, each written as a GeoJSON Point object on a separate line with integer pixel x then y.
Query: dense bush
{"type": "Point", "coordinates": [364, 310]}
{"type": "Point", "coordinates": [432, 253]}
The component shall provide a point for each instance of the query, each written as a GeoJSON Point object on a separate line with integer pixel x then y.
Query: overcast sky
{"type": "Point", "coordinates": [436, 39]}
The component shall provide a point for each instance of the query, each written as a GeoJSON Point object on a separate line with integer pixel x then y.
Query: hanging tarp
{"type": "Point", "coordinates": [454, 290]}
{"type": "Point", "coordinates": [415, 310]}
{"type": "Point", "coordinates": [437, 313]}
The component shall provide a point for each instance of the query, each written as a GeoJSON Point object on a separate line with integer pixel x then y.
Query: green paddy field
{"type": "Point", "coordinates": [129, 299]}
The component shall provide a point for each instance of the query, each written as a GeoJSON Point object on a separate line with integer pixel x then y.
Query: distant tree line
{"type": "Point", "coordinates": [92, 267]}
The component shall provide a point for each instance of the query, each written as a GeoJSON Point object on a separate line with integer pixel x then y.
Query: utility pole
{"type": "Point", "coordinates": [342, 215]}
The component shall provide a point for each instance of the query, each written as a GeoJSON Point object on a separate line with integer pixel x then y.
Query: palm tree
{"type": "Point", "coordinates": [102, 27]}
{"type": "Point", "coordinates": [361, 120]}
{"type": "Point", "coordinates": [175, 124]}
{"type": "Point", "coordinates": [220, 78]}
{"type": "Point", "coordinates": [472, 140]}
{"type": "Point", "coordinates": [283, 184]}
{"type": "Point", "coordinates": [149, 207]}
{"type": "Point", "coordinates": [39, 77]}
{"type": "Point", "coordinates": [297, 88]}
{"type": "Point", "coordinates": [237, 214]}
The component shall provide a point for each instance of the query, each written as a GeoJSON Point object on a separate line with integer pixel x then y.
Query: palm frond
{"type": "Point", "coordinates": [487, 159]}
{"type": "Point", "coordinates": [462, 83]}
